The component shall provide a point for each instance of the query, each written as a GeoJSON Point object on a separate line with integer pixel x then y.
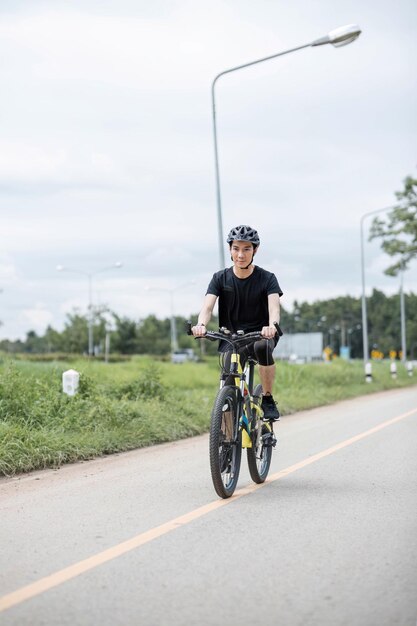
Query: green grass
{"type": "Point", "coordinates": [141, 402]}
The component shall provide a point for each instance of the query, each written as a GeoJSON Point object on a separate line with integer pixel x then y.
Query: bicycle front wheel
{"type": "Point", "coordinates": [225, 442]}
{"type": "Point", "coordinates": [260, 454]}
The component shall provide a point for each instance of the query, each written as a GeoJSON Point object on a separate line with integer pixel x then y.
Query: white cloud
{"type": "Point", "coordinates": [131, 51]}
{"type": "Point", "coordinates": [37, 318]}
{"type": "Point", "coordinates": [20, 161]}
{"type": "Point", "coordinates": [8, 271]}
{"type": "Point", "coordinates": [24, 163]}
{"type": "Point", "coordinates": [378, 264]}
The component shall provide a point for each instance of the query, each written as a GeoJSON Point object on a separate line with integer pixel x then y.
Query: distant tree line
{"type": "Point", "coordinates": [339, 320]}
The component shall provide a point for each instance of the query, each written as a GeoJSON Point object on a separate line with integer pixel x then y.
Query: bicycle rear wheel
{"type": "Point", "coordinates": [260, 454]}
{"type": "Point", "coordinates": [225, 442]}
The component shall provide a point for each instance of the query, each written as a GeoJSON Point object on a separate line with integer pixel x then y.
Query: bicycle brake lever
{"type": "Point", "coordinates": [279, 331]}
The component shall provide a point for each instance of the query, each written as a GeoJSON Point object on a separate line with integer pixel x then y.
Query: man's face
{"type": "Point", "coordinates": [242, 252]}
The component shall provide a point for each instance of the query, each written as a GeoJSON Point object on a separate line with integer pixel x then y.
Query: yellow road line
{"type": "Point", "coordinates": [61, 576]}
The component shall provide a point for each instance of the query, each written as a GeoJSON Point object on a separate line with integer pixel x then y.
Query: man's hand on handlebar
{"type": "Point", "coordinates": [269, 332]}
{"type": "Point", "coordinates": [199, 330]}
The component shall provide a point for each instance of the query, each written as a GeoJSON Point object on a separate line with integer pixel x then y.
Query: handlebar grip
{"type": "Point", "coordinates": [279, 331]}
{"type": "Point", "coordinates": [188, 326]}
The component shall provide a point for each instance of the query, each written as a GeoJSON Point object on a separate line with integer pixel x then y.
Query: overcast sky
{"type": "Point", "coordinates": [106, 148]}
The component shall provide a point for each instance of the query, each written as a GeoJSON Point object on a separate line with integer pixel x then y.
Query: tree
{"type": "Point", "coordinates": [33, 342]}
{"type": "Point", "coordinates": [399, 233]}
{"type": "Point", "coordinates": [125, 338]}
{"type": "Point", "coordinates": [153, 336]}
{"type": "Point", "coordinates": [75, 333]}
{"type": "Point", "coordinates": [337, 319]}
{"type": "Point", "coordinates": [53, 340]}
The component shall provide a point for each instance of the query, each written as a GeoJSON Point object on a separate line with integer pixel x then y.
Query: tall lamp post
{"type": "Point", "coordinates": [62, 268]}
{"type": "Point", "coordinates": [402, 308]}
{"type": "Point", "coordinates": [171, 291]}
{"type": "Point", "coordinates": [367, 365]}
{"type": "Point", "coordinates": [338, 37]}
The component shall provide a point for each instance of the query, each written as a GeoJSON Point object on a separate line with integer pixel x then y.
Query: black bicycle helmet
{"type": "Point", "coordinates": [244, 233]}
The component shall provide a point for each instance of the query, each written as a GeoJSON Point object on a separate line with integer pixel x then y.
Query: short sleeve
{"type": "Point", "coordinates": [214, 286]}
{"type": "Point", "coordinates": [273, 286]}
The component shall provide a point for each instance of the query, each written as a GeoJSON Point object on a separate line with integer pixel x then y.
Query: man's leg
{"type": "Point", "coordinates": [263, 350]}
{"type": "Point", "coordinates": [267, 376]}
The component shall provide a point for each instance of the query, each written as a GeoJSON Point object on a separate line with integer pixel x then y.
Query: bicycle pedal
{"type": "Point", "coordinates": [269, 440]}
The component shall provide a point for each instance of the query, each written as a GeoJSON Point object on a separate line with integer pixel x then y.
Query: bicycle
{"type": "Point", "coordinates": [237, 417]}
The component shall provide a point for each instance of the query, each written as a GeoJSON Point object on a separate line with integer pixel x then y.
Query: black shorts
{"type": "Point", "coordinates": [260, 351]}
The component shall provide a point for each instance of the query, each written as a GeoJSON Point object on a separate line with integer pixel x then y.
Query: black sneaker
{"type": "Point", "coordinates": [270, 409]}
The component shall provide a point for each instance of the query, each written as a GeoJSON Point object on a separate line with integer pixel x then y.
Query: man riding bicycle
{"type": "Point", "coordinates": [249, 301]}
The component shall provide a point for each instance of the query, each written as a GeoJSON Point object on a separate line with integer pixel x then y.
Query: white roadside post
{"type": "Point", "coordinates": [70, 382]}
{"type": "Point", "coordinates": [368, 372]}
{"type": "Point", "coordinates": [393, 370]}
{"type": "Point", "coordinates": [410, 368]}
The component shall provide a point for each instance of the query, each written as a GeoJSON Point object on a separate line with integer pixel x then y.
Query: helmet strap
{"type": "Point", "coordinates": [253, 254]}
{"type": "Point", "coordinates": [251, 261]}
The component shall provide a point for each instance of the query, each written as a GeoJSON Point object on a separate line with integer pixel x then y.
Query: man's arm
{"type": "Point", "coordinates": [205, 315]}
{"type": "Point", "coordinates": [274, 316]}
{"type": "Point", "coordinates": [274, 309]}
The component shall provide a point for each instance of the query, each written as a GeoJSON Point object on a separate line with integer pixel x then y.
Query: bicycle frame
{"type": "Point", "coordinates": [244, 382]}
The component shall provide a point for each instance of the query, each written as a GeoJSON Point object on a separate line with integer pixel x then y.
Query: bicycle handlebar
{"type": "Point", "coordinates": [232, 338]}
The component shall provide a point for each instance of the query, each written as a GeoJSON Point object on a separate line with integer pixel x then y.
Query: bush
{"type": "Point", "coordinates": [148, 385]}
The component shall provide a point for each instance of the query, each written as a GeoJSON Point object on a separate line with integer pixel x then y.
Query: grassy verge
{"type": "Point", "coordinates": [122, 406]}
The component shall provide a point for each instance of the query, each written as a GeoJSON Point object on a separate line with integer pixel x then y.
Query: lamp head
{"type": "Point", "coordinates": [344, 35]}
{"type": "Point", "coordinates": [340, 36]}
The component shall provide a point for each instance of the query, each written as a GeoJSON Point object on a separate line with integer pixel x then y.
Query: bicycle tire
{"type": "Point", "coordinates": [259, 455]}
{"type": "Point", "coordinates": [225, 441]}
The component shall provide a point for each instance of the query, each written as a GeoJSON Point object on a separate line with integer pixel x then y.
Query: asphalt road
{"type": "Point", "coordinates": [141, 538]}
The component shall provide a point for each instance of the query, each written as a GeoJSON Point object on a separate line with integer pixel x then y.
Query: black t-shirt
{"type": "Point", "coordinates": [243, 302]}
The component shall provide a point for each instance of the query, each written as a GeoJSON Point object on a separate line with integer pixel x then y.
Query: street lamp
{"type": "Point", "coordinates": [62, 268]}
{"type": "Point", "coordinates": [402, 309]}
{"type": "Point", "coordinates": [337, 37]}
{"type": "Point", "coordinates": [368, 370]}
{"type": "Point", "coordinates": [171, 291]}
